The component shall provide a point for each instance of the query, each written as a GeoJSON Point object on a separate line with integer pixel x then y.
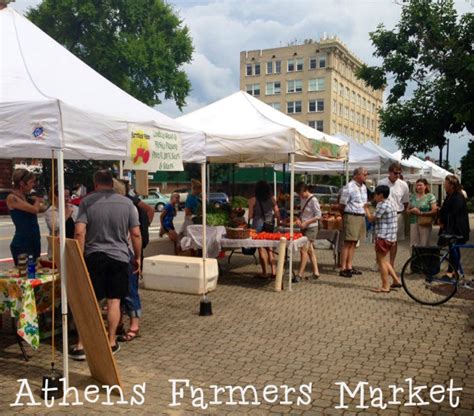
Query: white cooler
{"type": "Point", "coordinates": [179, 274]}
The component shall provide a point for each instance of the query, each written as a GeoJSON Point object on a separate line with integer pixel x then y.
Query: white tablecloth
{"type": "Point", "coordinates": [193, 239]}
{"type": "Point", "coordinates": [228, 243]}
{"type": "Point", "coordinates": [216, 241]}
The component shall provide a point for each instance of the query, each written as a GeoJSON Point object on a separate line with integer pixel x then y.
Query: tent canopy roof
{"type": "Point", "coordinates": [240, 128]}
{"type": "Point", "coordinates": [45, 86]}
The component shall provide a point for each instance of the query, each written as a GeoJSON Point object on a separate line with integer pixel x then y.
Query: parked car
{"type": "Point", "coordinates": [218, 199]}
{"type": "Point", "coordinates": [325, 193]}
{"type": "Point", "coordinates": [156, 199]}
{"type": "Point", "coordinates": [3, 200]}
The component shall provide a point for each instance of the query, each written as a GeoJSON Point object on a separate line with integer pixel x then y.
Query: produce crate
{"type": "Point", "coordinates": [332, 223]}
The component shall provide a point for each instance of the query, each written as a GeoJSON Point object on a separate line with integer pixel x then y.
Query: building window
{"type": "Point", "coordinates": [322, 62]}
{"type": "Point", "coordinates": [334, 128]}
{"type": "Point", "coordinates": [293, 107]}
{"type": "Point", "coordinates": [341, 90]}
{"type": "Point", "coordinates": [348, 93]}
{"type": "Point", "coordinates": [346, 112]}
{"type": "Point", "coordinates": [270, 67]}
{"type": "Point", "coordinates": [273, 88]}
{"type": "Point", "coordinates": [316, 124]}
{"type": "Point", "coordinates": [295, 65]}
{"type": "Point", "coordinates": [295, 85]}
{"type": "Point", "coordinates": [341, 112]}
{"type": "Point", "coordinates": [257, 69]}
{"type": "Point", "coordinates": [277, 67]}
{"type": "Point", "coordinates": [315, 106]}
{"type": "Point", "coordinates": [313, 63]}
{"type": "Point", "coordinates": [334, 106]}
{"type": "Point", "coordinates": [253, 89]}
{"type": "Point", "coordinates": [316, 84]}
{"type": "Point", "coordinates": [249, 69]}
{"type": "Point", "coordinates": [276, 106]}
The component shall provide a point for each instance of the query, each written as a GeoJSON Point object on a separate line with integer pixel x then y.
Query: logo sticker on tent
{"type": "Point", "coordinates": [38, 132]}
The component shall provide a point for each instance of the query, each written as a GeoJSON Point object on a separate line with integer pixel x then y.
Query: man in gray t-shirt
{"type": "Point", "coordinates": [104, 222]}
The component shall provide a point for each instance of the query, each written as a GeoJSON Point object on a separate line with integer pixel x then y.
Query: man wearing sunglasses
{"type": "Point", "coordinates": [399, 196]}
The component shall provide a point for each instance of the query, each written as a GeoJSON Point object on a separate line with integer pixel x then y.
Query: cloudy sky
{"type": "Point", "coordinates": [220, 29]}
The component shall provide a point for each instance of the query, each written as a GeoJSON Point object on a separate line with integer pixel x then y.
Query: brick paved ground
{"type": "Point", "coordinates": [334, 330]}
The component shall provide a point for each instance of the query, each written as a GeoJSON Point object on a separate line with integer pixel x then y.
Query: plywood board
{"type": "Point", "coordinates": [141, 182]}
{"type": "Point", "coordinates": [87, 317]}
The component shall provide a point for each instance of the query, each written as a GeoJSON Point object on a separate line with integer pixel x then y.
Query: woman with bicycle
{"type": "Point", "coordinates": [422, 208]}
{"type": "Point", "coordinates": [454, 217]}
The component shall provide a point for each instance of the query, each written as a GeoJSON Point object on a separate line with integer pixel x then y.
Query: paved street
{"type": "Point", "coordinates": [332, 331]}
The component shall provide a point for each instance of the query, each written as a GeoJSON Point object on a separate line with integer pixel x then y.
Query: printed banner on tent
{"type": "Point", "coordinates": [328, 150]}
{"type": "Point", "coordinates": [152, 149]}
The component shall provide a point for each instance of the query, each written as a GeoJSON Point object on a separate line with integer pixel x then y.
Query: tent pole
{"type": "Point", "coordinates": [208, 180]}
{"type": "Point", "coordinates": [205, 308]}
{"type": "Point", "coordinates": [378, 175]}
{"type": "Point", "coordinates": [274, 183]}
{"type": "Point", "coordinates": [347, 170]}
{"type": "Point", "coordinates": [204, 203]}
{"type": "Point", "coordinates": [292, 209]}
{"type": "Point", "coordinates": [121, 169]}
{"type": "Point", "coordinates": [62, 266]}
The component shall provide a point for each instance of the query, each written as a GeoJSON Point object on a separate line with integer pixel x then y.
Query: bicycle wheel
{"type": "Point", "coordinates": [425, 278]}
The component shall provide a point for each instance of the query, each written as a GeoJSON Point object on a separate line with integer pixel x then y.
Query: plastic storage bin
{"type": "Point", "coordinates": [179, 274]}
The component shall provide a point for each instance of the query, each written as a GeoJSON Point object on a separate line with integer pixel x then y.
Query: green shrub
{"type": "Point", "coordinates": [239, 202]}
{"type": "Point", "coordinates": [470, 205]}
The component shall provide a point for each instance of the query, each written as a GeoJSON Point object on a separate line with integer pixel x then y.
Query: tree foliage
{"type": "Point", "coordinates": [431, 51]}
{"type": "Point", "coordinates": [139, 45]}
{"type": "Point", "coordinates": [467, 169]}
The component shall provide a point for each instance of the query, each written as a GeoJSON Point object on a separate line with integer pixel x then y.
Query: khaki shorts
{"type": "Point", "coordinates": [354, 227]}
{"type": "Point", "coordinates": [310, 233]}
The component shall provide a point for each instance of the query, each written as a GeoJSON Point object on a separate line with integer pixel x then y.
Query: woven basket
{"type": "Point", "coordinates": [237, 233]}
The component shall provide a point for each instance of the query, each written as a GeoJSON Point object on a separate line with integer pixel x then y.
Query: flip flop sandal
{"type": "Point", "coordinates": [379, 290]}
{"type": "Point", "coordinates": [395, 285]}
{"type": "Point", "coordinates": [130, 335]}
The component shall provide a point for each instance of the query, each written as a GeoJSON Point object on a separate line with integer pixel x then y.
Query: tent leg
{"type": "Point", "coordinates": [62, 266]}
{"type": "Point", "coordinates": [121, 169]}
{"type": "Point", "coordinates": [274, 183]}
{"type": "Point", "coordinates": [205, 308]}
{"type": "Point", "coordinates": [292, 209]}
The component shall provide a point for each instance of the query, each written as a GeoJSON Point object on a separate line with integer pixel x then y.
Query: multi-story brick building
{"type": "Point", "coordinates": [315, 83]}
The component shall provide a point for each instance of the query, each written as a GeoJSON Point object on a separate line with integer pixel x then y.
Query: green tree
{"type": "Point", "coordinates": [431, 51]}
{"type": "Point", "coordinates": [139, 45]}
{"type": "Point", "coordinates": [467, 169]}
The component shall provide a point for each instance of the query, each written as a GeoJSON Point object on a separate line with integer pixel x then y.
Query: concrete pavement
{"type": "Point", "coordinates": [332, 331]}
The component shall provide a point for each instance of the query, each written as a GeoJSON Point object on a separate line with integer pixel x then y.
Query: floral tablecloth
{"type": "Point", "coordinates": [26, 298]}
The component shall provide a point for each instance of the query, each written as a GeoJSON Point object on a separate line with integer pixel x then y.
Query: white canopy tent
{"type": "Point", "coordinates": [242, 129]}
{"type": "Point", "coordinates": [52, 101]}
{"type": "Point", "coordinates": [358, 156]}
{"type": "Point", "coordinates": [433, 173]}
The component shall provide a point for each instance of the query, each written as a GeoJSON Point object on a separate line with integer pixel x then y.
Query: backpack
{"type": "Point", "coordinates": [144, 224]}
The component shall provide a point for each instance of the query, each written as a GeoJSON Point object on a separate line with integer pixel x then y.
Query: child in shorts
{"type": "Point", "coordinates": [386, 227]}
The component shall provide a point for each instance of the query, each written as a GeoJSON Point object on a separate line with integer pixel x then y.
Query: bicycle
{"type": "Point", "coordinates": [434, 278]}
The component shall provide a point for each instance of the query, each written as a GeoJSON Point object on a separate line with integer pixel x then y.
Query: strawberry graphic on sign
{"type": "Point", "coordinates": [140, 152]}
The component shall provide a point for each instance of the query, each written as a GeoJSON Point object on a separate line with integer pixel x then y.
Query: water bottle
{"type": "Point", "coordinates": [31, 267]}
